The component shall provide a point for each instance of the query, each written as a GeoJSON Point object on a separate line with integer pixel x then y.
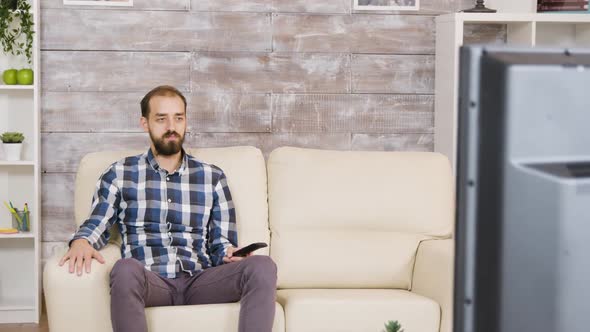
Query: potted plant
{"type": "Point", "coordinates": [393, 326]}
{"type": "Point", "coordinates": [16, 33]}
{"type": "Point", "coordinates": [13, 144]}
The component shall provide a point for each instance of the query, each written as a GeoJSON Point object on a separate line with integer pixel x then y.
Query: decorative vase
{"type": "Point", "coordinates": [479, 8]}
{"type": "Point", "coordinates": [12, 151]}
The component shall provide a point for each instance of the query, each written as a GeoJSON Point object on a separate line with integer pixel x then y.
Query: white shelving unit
{"type": "Point", "coordinates": [20, 182]}
{"type": "Point", "coordinates": [524, 27]}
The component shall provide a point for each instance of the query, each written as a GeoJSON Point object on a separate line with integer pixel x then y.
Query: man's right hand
{"type": "Point", "coordinates": [79, 255]}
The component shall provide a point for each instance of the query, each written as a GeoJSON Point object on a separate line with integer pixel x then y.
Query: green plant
{"type": "Point", "coordinates": [393, 326]}
{"type": "Point", "coordinates": [10, 35]}
{"type": "Point", "coordinates": [12, 137]}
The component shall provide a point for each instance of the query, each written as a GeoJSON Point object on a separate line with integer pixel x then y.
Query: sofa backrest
{"type": "Point", "coordinates": [245, 170]}
{"type": "Point", "coordinates": [352, 219]}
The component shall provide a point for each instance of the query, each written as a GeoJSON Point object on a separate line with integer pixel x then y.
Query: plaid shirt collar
{"type": "Point", "coordinates": [151, 158]}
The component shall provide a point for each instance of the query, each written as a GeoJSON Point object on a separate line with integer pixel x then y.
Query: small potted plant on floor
{"type": "Point", "coordinates": [12, 143]}
{"type": "Point", "coordinates": [393, 326]}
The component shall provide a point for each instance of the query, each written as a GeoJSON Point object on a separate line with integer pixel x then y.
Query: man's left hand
{"type": "Point", "coordinates": [229, 258]}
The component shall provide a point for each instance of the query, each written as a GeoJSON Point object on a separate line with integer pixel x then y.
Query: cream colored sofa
{"type": "Point", "coordinates": [359, 238]}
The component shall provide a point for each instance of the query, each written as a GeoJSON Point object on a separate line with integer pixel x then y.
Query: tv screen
{"type": "Point", "coordinates": [523, 191]}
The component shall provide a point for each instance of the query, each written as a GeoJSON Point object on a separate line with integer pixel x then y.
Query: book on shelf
{"type": "Point", "coordinates": [8, 231]}
{"type": "Point", "coordinates": [562, 5]}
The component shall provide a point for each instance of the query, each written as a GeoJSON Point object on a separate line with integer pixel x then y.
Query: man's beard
{"type": "Point", "coordinates": [170, 148]}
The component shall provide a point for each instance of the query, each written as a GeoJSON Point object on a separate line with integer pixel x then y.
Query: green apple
{"type": "Point", "coordinates": [9, 76]}
{"type": "Point", "coordinates": [24, 76]}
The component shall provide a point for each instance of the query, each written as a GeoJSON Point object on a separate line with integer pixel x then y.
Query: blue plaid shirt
{"type": "Point", "coordinates": [182, 221]}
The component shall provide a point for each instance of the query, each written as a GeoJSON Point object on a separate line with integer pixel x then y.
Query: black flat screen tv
{"type": "Point", "coordinates": [523, 191]}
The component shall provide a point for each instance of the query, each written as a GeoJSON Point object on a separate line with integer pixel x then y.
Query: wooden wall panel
{"type": "Point", "coordinates": [393, 142]}
{"type": "Point", "coordinates": [113, 71]}
{"type": "Point", "coordinates": [407, 34]}
{"type": "Point", "coordinates": [89, 111]}
{"type": "Point", "coordinates": [353, 113]}
{"type": "Point", "coordinates": [155, 31]}
{"type": "Point", "coordinates": [57, 206]}
{"type": "Point", "coordinates": [263, 72]}
{"type": "Point", "coordinates": [393, 74]}
{"type": "Point", "coordinates": [207, 112]}
{"type": "Point", "coordinates": [63, 151]}
{"type": "Point", "coordinates": [286, 6]}
{"type": "Point", "coordinates": [308, 6]}
{"type": "Point", "coordinates": [228, 113]}
{"type": "Point", "coordinates": [137, 5]}
{"type": "Point", "coordinates": [232, 5]}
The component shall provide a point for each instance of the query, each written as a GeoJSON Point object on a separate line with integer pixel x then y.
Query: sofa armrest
{"type": "Point", "coordinates": [76, 303]}
{"type": "Point", "coordinates": [433, 276]}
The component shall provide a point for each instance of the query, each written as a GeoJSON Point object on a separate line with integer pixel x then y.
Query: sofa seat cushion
{"type": "Point", "coordinates": [357, 310]}
{"type": "Point", "coordinates": [207, 317]}
{"type": "Point", "coordinates": [341, 258]}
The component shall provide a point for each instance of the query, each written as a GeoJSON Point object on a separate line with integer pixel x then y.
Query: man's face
{"type": "Point", "coordinates": [166, 124]}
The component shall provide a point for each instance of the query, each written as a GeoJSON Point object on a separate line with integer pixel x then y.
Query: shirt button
{"type": "Point", "coordinates": [167, 178]}
{"type": "Point", "coordinates": [169, 200]}
{"type": "Point", "coordinates": [169, 234]}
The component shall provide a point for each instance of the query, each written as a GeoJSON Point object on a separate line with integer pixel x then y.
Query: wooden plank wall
{"type": "Point", "coordinates": [267, 73]}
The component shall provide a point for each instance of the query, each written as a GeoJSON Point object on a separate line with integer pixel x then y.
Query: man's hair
{"type": "Point", "coordinates": [162, 90]}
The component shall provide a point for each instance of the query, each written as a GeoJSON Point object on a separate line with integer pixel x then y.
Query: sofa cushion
{"type": "Point", "coordinates": [344, 259]}
{"type": "Point", "coordinates": [246, 176]}
{"type": "Point", "coordinates": [208, 317]}
{"type": "Point", "coordinates": [352, 215]}
{"type": "Point", "coordinates": [355, 310]}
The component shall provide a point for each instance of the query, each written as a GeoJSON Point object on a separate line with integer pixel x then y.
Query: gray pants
{"type": "Point", "coordinates": [251, 281]}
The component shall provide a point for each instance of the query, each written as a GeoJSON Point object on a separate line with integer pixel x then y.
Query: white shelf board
{"type": "Point", "coordinates": [26, 235]}
{"type": "Point", "coordinates": [512, 18]}
{"type": "Point", "coordinates": [16, 304]}
{"type": "Point", "coordinates": [23, 235]}
{"type": "Point", "coordinates": [562, 18]}
{"type": "Point", "coordinates": [17, 163]}
{"type": "Point", "coordinates": [17, 87]}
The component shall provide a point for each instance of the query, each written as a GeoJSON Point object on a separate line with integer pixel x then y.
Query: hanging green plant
{"type": "Point", "coordinates": [10, 35]}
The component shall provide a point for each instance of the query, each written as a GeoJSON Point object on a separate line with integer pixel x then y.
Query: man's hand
{"type": "Point", "coordinates": [79, 255]}
{"type": "Point", "coordinates": [229, 258]}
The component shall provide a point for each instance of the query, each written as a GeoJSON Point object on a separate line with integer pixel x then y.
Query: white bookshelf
{"type": "Point", "coordinates": [524, 27]}
{"type": "Point", "coordinates": [20, 182]}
